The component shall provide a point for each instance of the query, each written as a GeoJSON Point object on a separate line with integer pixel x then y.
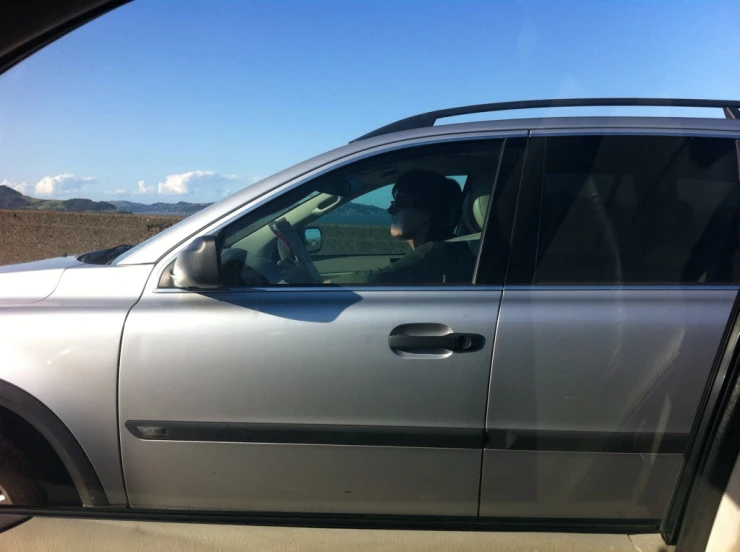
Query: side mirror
{"type": "Point", "coordinates": [312, 239]}
{"type": "Point", "coordinates": [198, 266]}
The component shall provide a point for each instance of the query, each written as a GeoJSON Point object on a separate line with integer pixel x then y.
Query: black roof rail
{"type": "Point", "coordinates": [731, 109]}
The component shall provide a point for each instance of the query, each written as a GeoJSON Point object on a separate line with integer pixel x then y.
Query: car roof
{"type": "Point", "coordinates": [731, 109]}
{"type": "Point", "coordinates": [550, 125]}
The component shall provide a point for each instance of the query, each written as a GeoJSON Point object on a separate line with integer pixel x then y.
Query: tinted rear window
{"type": "Point", "coordinates": [639, 209]}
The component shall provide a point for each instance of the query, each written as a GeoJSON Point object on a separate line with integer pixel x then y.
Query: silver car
{"type": "Point", "coordinates": [545, 350]}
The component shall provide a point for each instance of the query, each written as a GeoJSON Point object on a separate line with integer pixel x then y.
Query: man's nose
{"type": "Point", "coordinates": [392, 210]}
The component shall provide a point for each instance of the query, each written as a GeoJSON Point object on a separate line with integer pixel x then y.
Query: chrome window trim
{"type": "Point", "coordinates": [406, 288]}
{"type": "Point", "coordinates": [333, 288]}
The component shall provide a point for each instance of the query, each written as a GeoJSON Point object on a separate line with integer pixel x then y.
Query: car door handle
{"type": "Point", "coordinates": [456, 342]}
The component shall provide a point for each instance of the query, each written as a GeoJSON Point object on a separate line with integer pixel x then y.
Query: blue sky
{"type": "Point", "coordinates": [165, 100]}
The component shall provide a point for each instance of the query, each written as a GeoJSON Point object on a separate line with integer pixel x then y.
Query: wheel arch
{"type": "Point", "coordinates": [59, 438]}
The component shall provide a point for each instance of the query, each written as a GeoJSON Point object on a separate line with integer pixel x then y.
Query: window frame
{"type": "Point", "coordinates": [491, 150]}
{"type": "Point", "coordinates": [509, 172]}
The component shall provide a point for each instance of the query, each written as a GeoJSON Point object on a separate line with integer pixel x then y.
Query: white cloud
{"type": "Point", "coordinates": [195, 186]}
{"type": "Point", "coordinates": [143, 189]}
{"type": "Point", "coordinates": [200, 182]}
{"type": "Point", "coordinates": [21, 187]}
{"type": "Point", "coordinates": [62, 184]}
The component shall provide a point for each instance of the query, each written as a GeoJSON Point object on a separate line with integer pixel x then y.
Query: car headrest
{"type": "Point", "coordinates": [476, 202]}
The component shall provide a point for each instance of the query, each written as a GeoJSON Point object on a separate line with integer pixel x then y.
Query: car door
{"type": "Point", "coordinates": [278, 397]}
{"type": "Point", "coordinates": [620, 287]}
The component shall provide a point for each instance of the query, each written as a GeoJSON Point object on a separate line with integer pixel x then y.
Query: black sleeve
{"type": "Point", "coordinates": [425, 264]}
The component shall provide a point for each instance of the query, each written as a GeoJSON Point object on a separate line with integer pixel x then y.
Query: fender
{"type": "Point", "coordinates": [57, 434]}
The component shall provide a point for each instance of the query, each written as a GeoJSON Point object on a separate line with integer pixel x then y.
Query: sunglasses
{"type": "Point", "coordinates": [402, 202]}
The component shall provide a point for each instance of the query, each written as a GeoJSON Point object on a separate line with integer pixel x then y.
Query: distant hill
{"type": "Point", "coordinates": [182, 208]}
{"type": "Point", "coordinates": [358, 209]}
{"type": "Point", "coordinates": [12, 199]}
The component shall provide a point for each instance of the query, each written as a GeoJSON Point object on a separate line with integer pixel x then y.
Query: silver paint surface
{"type": "Point", "coordinates": [31, 282]}
{"type": "Point", "coordinates": [302, 478]}
{"type": "Point", "coordinates": [595, 359]}
{"type": "Point", "coordinates": [545, 484]}
{"type": "Point", "coordinates": [301, 357]}
{"type": "Point", "coordinates": [64, 351]}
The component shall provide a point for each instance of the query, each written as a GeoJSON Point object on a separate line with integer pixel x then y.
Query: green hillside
{"type": "Point", "coordinates": [12, 199]}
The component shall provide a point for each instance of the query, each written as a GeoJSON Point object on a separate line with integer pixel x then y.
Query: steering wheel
{"type": "Point", "coordinates": [290, 247]}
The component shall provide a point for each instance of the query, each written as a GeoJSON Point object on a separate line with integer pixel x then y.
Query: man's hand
{"type": "Point", "coordinates": [293, 272]}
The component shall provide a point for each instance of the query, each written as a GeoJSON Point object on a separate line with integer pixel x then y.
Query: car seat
{"type": "Point", "coordinates": [474, 208]}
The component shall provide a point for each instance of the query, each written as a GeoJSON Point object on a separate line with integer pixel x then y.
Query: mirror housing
{"type": "Point", "coordinates": [198, 266]}
{"type": "Point", "coordinates": [312, 239]}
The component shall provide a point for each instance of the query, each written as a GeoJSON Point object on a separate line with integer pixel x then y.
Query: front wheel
{"type": "Point", "coordinates": [16, 486]}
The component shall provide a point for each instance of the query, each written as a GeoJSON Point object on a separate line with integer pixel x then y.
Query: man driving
{"type": "Point", "coordinates": [424, 213]}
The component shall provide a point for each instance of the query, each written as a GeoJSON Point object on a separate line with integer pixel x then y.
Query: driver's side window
{"type": "Point", "coordinates": [395, 219]}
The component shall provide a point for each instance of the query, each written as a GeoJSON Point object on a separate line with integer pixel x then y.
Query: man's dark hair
{"type": "Point", "coordinates": [437, 196]}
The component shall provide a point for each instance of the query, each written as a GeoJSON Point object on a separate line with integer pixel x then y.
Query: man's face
{"type": "Point", "coordinates": [406, 221]}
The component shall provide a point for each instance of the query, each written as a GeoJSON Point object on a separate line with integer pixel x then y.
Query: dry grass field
{"type": "Point", "coordinates": [32, 235]}
{"type": "Point", "coordinates": [27, 235]}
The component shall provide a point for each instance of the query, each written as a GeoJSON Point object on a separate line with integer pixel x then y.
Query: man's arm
{"type": "Point", "coordinates": [424, 264]}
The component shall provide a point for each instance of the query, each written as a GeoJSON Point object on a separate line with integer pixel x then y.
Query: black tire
{"type": "Point", "coordinates": [16, 482]}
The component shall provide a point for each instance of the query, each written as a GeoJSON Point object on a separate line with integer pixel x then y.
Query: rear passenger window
{"type": "Point", "coordinates": [639, 209]}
